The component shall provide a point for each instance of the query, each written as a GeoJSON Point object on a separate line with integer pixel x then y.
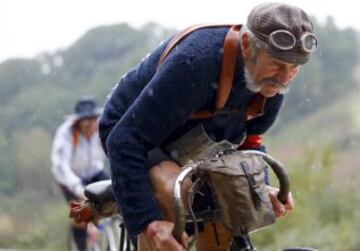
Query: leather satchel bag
{"type": "Point", "coordinates": [238, 184]}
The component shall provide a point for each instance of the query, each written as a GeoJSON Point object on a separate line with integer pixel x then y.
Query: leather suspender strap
{"type": "Point", "coordinates": [230, 54]}
{"type": "Point", "coordinates": [228, 67]}
{"type": "Point", "coordinates": [256, 107]}
{"type": "Point", "coordinates": [181, 35]}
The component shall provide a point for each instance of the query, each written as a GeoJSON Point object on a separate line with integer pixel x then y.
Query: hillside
{"type": "Point", "coordinates": [335, 127]}
{"type": "Point", "coordinates": [337, 123]}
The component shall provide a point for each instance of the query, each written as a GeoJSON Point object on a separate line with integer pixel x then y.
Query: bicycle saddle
{"type": "Point", "coordinates": [100, 191]}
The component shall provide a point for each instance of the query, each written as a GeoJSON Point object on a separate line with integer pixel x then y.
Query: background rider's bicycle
{"type": "Point", "coordinates": [112, 235]}
{"type": "Point", "coordinates": [103, 237]}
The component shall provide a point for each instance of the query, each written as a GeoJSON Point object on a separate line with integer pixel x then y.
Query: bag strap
{"type": "Point", "coordinates": [228, 66]}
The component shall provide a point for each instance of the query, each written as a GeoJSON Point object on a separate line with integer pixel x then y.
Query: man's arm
{"type": "Point", "coordinates": [165, 103]}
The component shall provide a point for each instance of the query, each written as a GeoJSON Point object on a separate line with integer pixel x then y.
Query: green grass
{"type": "Point", "coordinates": [325, 216]}
{"type": "Point", "coordinates": [33, 221]}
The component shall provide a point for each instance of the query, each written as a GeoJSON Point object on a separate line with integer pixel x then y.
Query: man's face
{"type": "Point", "coordinates": [87, 126]}
{"type": "Point", "coordinates": [270, 75]}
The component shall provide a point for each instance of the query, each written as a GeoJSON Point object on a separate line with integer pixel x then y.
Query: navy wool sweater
{"type": "Point", "coordinates": [150, 107]}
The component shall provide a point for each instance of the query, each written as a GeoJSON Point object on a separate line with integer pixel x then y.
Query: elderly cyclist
{"type": "Point", "coordinates": [151, 108]}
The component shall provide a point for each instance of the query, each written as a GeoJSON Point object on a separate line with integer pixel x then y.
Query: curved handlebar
{"type": "Point", "coordinates": [179, 208]}
{"type": "Point", "coordinates": [279, 170]}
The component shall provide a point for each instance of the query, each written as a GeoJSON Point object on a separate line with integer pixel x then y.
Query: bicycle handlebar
{"type": "Point", "coordinates": [279, 170]}
{"type": "Point", "coordinates": [179, 208]}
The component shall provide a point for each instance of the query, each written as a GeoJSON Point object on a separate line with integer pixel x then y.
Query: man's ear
{"type": "Point", "coordinates": [245, 47]}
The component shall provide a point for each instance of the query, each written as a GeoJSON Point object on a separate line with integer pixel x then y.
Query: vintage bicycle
{"type": "Point", "coordinates": [237, 181]}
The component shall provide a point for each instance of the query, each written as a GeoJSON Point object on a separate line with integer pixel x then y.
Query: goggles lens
{"type": "Point", "coordinates": [309, 42]}
{"type": "Point", "coordinates": [282, 39]}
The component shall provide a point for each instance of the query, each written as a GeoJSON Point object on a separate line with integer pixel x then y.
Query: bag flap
{"type": "Point", "coordinates": [230, 164]}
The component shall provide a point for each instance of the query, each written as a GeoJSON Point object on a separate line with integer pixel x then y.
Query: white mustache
{"type": "Point", "coordinates": [270, 81]}
{"type": "Point", "coordinates": [256, 86]}
{"type": "Point", "coordinates": [284, 88]}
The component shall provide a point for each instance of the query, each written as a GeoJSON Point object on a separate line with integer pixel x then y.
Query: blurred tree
{"type": "Point", "coordinates": [34, 164]}
{"type": "Point", "coordinates": [36, 94]}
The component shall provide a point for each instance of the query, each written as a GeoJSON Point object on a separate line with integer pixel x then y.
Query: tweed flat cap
{"type": "Point", "coordinates": [269, 17]}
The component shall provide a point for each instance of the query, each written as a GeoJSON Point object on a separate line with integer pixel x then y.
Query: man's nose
{"type": "Point", "coordinates": [284, 77]}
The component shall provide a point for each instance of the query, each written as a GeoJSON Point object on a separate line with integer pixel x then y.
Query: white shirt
{"type": "Point", "coordinates": [70, 165]}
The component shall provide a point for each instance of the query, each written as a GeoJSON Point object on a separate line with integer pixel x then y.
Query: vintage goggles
{"type": "Point", "coordinates": [285, 40]}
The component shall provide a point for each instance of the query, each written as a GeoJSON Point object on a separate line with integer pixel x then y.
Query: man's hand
{"type": "Point", "coordinates": [279, 208]}
{"type": "Point", "coordinates": [84, 211]}
{"type": "Point", "coordinates": [81, 211]}
{"type": "Point", "coordinates": [157, 236]}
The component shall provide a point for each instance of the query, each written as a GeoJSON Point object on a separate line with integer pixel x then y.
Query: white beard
{"type": "Point", "coordinates": [250, 82]}
{"type": "Point", "coordinates": [256, 86]}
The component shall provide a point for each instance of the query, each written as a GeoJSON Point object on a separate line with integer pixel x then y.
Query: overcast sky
{"type": "Point", "coordinates": [29, 27]}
